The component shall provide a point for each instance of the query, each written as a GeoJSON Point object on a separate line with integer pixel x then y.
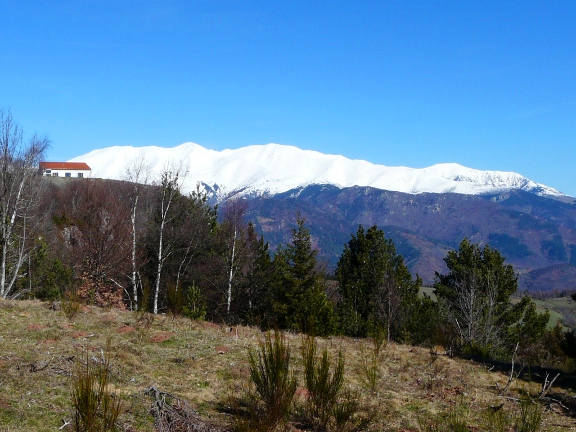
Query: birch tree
{"type": "Point", "coordinates": [170, 184]}
{"type": "Point", "coordinates": [137, 172]}
{"type": "Point", "coordinates": [197, 223]}
{"type": "Point", "coordinates": [233, 227]}
{"type": "Point", "coordinates": [19, 196]}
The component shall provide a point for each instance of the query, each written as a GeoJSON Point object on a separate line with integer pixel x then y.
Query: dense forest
{"type": "Point", "coordinates": [143, 244]}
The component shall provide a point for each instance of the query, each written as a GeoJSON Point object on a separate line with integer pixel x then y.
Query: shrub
{"type": "Point", "coordinates": [95, 409]}
{"type": "Point", "coordinates": [71, 304]}
{"type": "Point", "coordinates": [274, 384]}
{"type": "Point", "coordinates": [324, 387]}
{"type": "Point", "coordinates": [195, 307]}
{"type": "Point", "coordinates": [371, 361]}
{"type": "Point", "coordinates": [329, 408]}
{"type": "Point", "coordinates": [529, 418]}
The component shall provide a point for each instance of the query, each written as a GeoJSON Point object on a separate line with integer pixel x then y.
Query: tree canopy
{"type": "Point", "coordinates": [375, 286]}
{"type": "Point", "coordinates": [475, 295]}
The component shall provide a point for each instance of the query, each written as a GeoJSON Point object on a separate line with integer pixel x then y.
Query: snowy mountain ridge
{"type": "Point", "coordinates": [274, 168]}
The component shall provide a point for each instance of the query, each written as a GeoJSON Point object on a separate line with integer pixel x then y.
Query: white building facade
{"type": "Point", "coordinates": [65, 169]}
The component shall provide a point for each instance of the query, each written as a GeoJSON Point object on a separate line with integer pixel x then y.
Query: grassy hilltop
{"type": "Point", "coordinates": [206, 365]}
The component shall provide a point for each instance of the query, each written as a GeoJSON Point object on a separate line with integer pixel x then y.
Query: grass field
{"type": "Point", "coordinates": [206, 365]}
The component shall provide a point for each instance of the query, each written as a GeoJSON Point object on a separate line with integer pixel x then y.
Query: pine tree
{"type": "Point", "coordinates": [375, 286]}
{"type": "Point", "coordinates": [476, 291]}
{"type": "Point", "coordinates": [255, 298]}
{"type": "Point", "coordinates": [300, 302]}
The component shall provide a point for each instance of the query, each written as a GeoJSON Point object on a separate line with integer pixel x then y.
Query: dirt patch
{"type": "Point", "coordinates": [79, 334]}
{"type": "Point", "coordinates": [221, 349]}
{"type": "Point", "coordinates": [35, 327]}
{"type": "Point", "coordinates": [161, 337]}
{"type": "Point", "coordinates": [208, 324]}
{"type": "Point", "coordinates": [125, 329]}
{"type": "Point", "coordinates": [5, 405]}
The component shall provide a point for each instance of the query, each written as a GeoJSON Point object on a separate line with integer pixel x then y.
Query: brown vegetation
{"type": "Point", "coordinates": [415, 387]}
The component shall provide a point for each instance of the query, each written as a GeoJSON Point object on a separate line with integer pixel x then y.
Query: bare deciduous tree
{"type": "Point", "coordinates": [137, 172]}
{"type": "Point", "coordinates": [170, 184]}
{"type": "Point", "coordinates": [233, 228]}
{"type": "Point", "coordinates": [97, 237]}
{"type": "Point", "coordinates": [19, 195]}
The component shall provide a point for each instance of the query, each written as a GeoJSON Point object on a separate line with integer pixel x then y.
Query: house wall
{"type": "Point", "coordinates": [73, 173]}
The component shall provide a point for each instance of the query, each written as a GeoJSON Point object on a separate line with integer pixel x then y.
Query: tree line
{"type": "Point", "coordinates": [145, 245]}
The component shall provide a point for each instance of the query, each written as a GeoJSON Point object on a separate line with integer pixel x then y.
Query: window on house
{"type": "Point", "coordinates": [80, 174]}
{"type": "Point", "coordinates": [55, 174]}
{"type": "Point", "coordinates": [68, 175]}
{"type": "Point", "coordinates": [47, 171]}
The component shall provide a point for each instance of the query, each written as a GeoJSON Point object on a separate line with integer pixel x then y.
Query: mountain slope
{"type": "Point", "coordinates": [272, 168]}
{"type": "Point", "coordinates": [535, 234]}
{"type": "Point", "coordinates": [427, 212]}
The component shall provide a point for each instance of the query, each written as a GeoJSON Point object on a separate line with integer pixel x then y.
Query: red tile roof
{"type": "Point", "coordinates": [65, 165]}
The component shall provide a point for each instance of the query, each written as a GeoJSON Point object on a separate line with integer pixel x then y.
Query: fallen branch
{"type": "Point", "coordinates": [34, 368]}
{"type": "Point", "coordinates": [172, 413]}
{"type": "Point", "coordinates": [547, 385]}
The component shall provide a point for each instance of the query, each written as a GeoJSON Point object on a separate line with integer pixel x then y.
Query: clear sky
{"type": "Point", "coordinates": [487, 84]}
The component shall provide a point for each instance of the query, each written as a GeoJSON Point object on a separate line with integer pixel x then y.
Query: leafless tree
{"type": "Point", "coordinates": [170, 184]}
{"type": "Point", "coordinates": [97, 236]}
{"type": "Point", "coordinates": [198, 222]}
{"type": "Point", "coordinates": [19, 195]}
{"type": "Point", "coordinates": [137, 172]}
{"type": "Point", "coordinates": [233, 227]}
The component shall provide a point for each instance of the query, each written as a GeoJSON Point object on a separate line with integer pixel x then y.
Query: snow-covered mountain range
{"type": "Point", "coordinates": [273, 168]}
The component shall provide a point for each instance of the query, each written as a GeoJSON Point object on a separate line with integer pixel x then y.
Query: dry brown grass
{"type": "Point", "coordinates": [205, 364]}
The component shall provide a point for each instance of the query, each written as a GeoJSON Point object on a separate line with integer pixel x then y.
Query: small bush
{"type": "Point", "coordinates": [71, 304]}
{"type": "Point", "coordinates": [529, 419]}
{"type": "Point", "coordinates": [371, 360]}
{"type": "Point", "coordinates": [273, 381]}
{"type": "Point", "coordinates": [329, 408]}
{"type": "Point", "coordinates": [324, 386]}
{"type": "Point", "coordinates": [195, 306]}
{"type": "Point", "coordinates": [95, 409]}
{"type": "Point", "coordinates": [497, 420]}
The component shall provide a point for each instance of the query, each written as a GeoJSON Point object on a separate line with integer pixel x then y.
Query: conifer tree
{"type": "Point", "coordinates": [255, 298]}
{"type": "Point", "coordinates": [476, 291]}
{"type": "Point", "coordinates": [299, 299]}
{"type": "Point", "coordinates": [375, 286]}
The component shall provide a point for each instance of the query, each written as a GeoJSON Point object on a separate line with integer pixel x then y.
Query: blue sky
{"type": "Point", "coordinates": [487, 84]}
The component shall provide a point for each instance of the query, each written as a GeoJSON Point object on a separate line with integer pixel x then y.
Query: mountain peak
{"type": "Point", "coordinates": [275, 168]}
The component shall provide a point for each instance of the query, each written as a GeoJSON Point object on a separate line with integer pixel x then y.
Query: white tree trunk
{"type": "Point", "coordinates": [134, 271]}
{"type": "Point", "coordinates": [159, 268]}
{"type": "Point", "coordinates": [231, 274]}
{"type": "Point", "coordinates": [18, 197]}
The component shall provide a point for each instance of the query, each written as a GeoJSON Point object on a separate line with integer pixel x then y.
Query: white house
{"type": "Point", "coordinates": [65, 169]}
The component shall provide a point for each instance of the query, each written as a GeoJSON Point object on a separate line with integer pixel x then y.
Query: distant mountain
{"type": "Point", "coordinates": [271, 169]}
{"type": "Point", "coordinates": [427, 211]}
{"type": "Point", "coordinates": [535, 234]}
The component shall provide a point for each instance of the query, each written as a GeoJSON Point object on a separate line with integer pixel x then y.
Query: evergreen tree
{"type": "Point", "coordinates": [476, 291]}
{"type": "Point", "coordinates": [299, 298]}
{"type": "Point", "coordinates": [376, 288]}
{"type": "Point", "coordinates": [255, 297]}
